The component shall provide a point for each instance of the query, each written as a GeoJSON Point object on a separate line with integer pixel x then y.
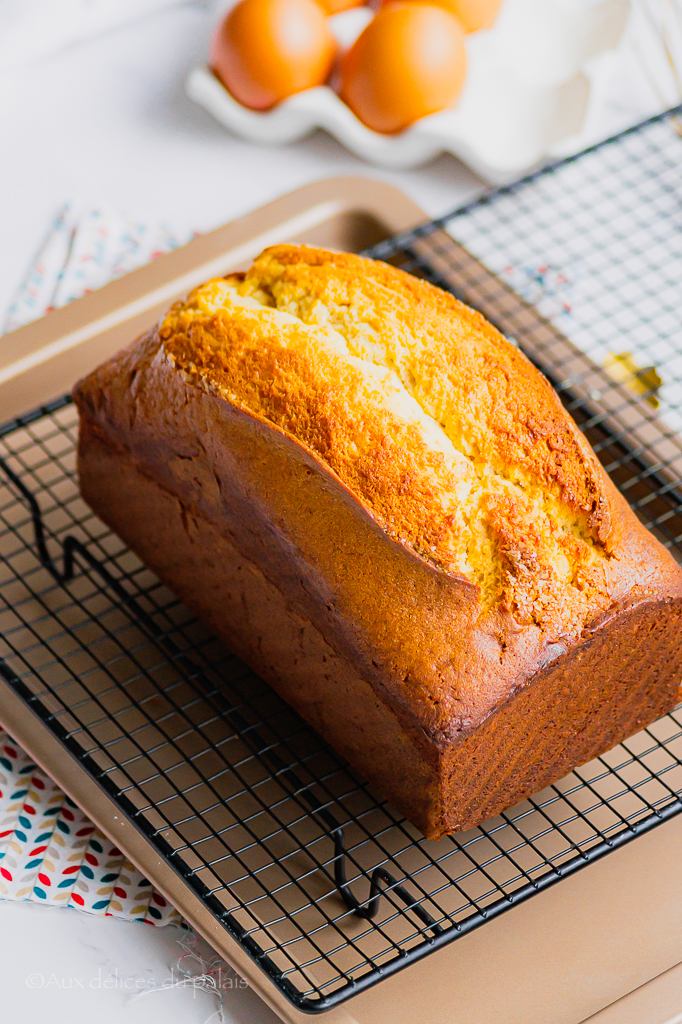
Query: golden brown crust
{"type": "Point", "coordinates": [323, 471]}
{"type": "Point", "coordinates": [416, 633]}
{"type": "Point", "coordinates": [326, 405]}
{"type": "Point", "coordinates": [373, 372]}
{"type": "Point", "coordinates": [579, 705]}
{"type": "Point", "coordinates": [257, 623]}
{"type": "Point", "coordinates": [505, 410]}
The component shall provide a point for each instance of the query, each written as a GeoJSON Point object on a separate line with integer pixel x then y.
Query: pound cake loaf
{"type": "Point", "coordinates": [384, 509]}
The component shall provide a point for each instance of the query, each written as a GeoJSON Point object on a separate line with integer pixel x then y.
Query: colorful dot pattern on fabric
{"type": "Point", "coordinates": [84, 249]}
{"type": "Point", "coordinates": [51, 853]}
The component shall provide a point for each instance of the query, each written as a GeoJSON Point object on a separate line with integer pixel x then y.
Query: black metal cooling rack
{"type": "Point", "coordinates": [319, 879]}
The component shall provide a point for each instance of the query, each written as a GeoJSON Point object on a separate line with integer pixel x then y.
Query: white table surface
{"type": "Point", "coordinates": [107, 121]}
{"type": "Point", "coordinates": [66, 967]}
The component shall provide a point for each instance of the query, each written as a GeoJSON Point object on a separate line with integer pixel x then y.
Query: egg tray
{"type": "Point", "coordinates": [272, 847]}
{"type": "Point", "coordinates": [532, 81]}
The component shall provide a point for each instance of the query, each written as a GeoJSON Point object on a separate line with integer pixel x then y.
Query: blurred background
{"type": "Point", "coordinates": [96, 120]}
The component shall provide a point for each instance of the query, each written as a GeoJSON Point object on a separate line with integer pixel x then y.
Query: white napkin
{"type": "Point", "coordinates": [84, 249]}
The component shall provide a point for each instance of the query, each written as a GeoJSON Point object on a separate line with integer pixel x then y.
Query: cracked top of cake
{"type": "Point", "coordinates": [443, 430]}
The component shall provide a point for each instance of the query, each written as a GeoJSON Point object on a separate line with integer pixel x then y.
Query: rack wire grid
{"type": "Point", "coordinates": [324, 885]}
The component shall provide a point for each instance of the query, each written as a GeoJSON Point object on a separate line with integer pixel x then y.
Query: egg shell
{"type": "Point", "coordinates": [472, 15]}
{"type": "Point", "coordinates": [267, 50]}
{"type": "Point", "coordinates": [410, 61]}
{"type": "Point", "coordinates": [336, 6]}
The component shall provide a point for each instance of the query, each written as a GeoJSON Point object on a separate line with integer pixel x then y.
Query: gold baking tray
{"type": "Point", "coordinates": [572, 949]}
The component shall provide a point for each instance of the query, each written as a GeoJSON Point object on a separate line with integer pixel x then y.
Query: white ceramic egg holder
{"type": "Point", "coordinates": [530, 82]}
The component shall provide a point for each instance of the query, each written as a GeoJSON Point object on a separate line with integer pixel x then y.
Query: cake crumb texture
{"type": "Point", "coordinates": [454, 442]}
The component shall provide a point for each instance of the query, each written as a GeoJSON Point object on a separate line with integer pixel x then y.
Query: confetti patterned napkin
{"type": "Point", "coordinates": [83, 250]}
{"type": "Point", "coordinates": [49, 851]}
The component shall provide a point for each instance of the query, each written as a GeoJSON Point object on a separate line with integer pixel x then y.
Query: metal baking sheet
{"type": "Point", "coordinates": [104, 733]}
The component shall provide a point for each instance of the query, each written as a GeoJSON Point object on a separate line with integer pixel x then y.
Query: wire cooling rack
{"type": "Point", "coordinates": [321, 882]}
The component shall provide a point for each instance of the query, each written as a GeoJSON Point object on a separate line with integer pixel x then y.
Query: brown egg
{"type": "Point", "coordinates": [266, 50]}
{"type": "Point", "coordinates": [471, 14]}
{"type": "Point", "coordinates": [409, 61]}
